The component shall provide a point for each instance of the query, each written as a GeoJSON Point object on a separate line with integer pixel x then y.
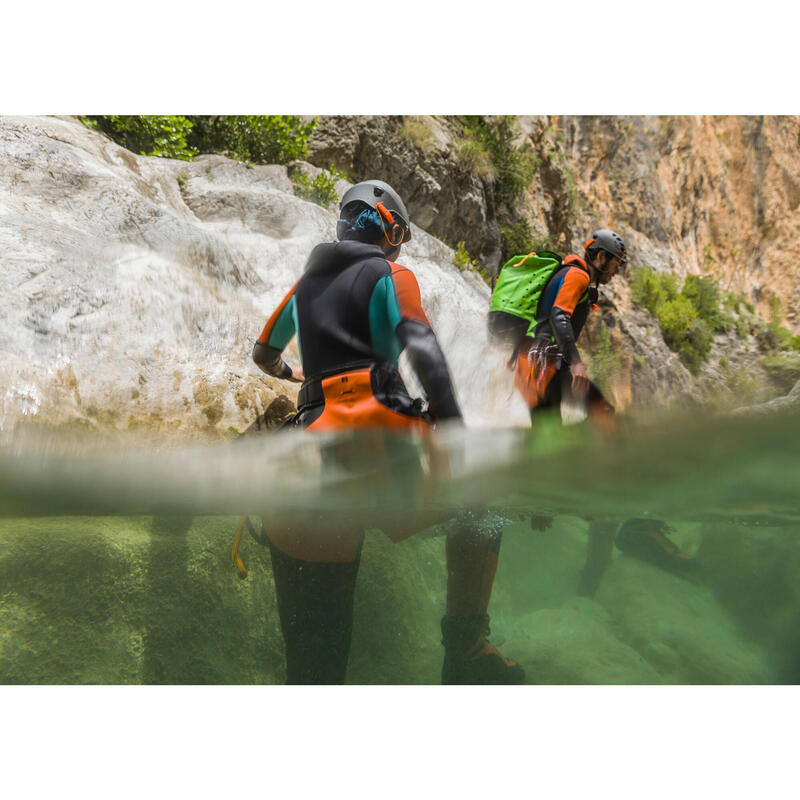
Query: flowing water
{"type": "Point", "coordinates": [115, 563]}
{"type": "Point", "coordinates": [135, 289]}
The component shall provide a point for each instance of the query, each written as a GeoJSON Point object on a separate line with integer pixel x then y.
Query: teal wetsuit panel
{"type": "Point", "coordinates": [384, 317]}
{"type": "Point", "coordinates": [285, 326]}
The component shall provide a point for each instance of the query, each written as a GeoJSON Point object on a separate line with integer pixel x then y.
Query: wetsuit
{"type": "Point", "coordinates": [544, 356]}
{"type": "Point", "coordinates": [353, 313]}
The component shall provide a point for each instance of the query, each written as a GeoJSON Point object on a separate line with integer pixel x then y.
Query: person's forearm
{"type": "Point", "coordinates": [561, 324]}
{"type": "Point", "coordinates": [427, 360]}
{"type": "Point", "coordinates": [269, 360]}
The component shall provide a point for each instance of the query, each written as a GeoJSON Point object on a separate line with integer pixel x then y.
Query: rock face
{"type": "Point", "coordinates": [700, 195]}
{"type": "Point", "coordinates": [418, 157]}
{"type": "Point", "coordinates": [137, 285]}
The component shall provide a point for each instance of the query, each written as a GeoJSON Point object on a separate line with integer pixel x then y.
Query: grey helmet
{"type": "Point", "coordinates": [607, 240]}
{"type": "Point", "coordinates": [374, 192]}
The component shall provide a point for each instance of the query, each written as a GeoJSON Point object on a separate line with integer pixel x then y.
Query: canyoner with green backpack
{"type": "Point", "coordinates": [516, 294]}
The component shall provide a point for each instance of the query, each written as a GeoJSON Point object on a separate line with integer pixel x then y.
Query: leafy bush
{"type": "Point", "coordinates": [695, 344]}
{"type": "Point", "coordinates": [321, 190]}
{"type": "Point", "coordinates": [706, 297]}
{"type": "Point", "coordinates": [461, 258]}
{"type": "Point", "coordinates": [256, 139]}
{"type": "Point", "coordinates": [735, 300]}
{"type": "Point", "coordinates": [687, 318]}
{"type": "Point", "coordinates": [515, 238]}
{"type": "Point", "coordinates": [515, 167]}
{"type": "Point", "coordinates": [474, 157]}
{"type": "Point", "coordinates": [650, 289]}
{"type": "Point", "coordinates": [148, 135]}
{"type": "Point", "coordinates": [783, 368]}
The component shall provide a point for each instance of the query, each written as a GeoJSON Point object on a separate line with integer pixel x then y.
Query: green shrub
{"type": "Point", "coordinates": [164, 136]}
{"type": "Point", "coordinates": [695, 344]}
{"type": "Point", "coordinates": [514, 166]}
{"type": "Point", "coordinates": [258, 139]}
{"type": "Point", "coordinates": [321, 190]}
{"type": "Point", "coordinates": [705, 296]}
{"type": "Point", "coordinates": [474, 157]}
{"type": "Point", "coordinates": [775, 309]}
{"type": "Point", "coordinates": [650, 289]}
{"type": "Point", "coordinates": [515, 238]}
{"type": "Point", "coordinates": [687, 318]}
{"type": "Point", "coordinates": [255, 139]}
{"type": "Point", "coordinates": [783, 368]}
{"type": "Point", "coordinates": [461, 258]}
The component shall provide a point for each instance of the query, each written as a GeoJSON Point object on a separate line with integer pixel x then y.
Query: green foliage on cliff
{"type": "Point", "coordinates": [517, 238]}
{"type": "Point", "coordinates": [259, 139]}
{"type": "Point", "coordinates": [164, 136]}
{"type": "Point", "coordinates": [514, 166]}
{"type": "Point", "coordinates": [320, 190]}
{"type": "Point", "coordinates": [464, 261]}
{"type": "Point", "coordinates": [687, 317]}
{"type": "Point", "coordinates": [255, 139]}
{"type": "Point", "coordinates": [783, 368]}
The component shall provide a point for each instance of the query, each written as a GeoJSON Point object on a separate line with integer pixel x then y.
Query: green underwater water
{"type": "Point", "coordinates": [115, 564]}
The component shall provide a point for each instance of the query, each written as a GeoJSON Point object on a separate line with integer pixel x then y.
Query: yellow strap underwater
{"type": "Point", "coordinates": [235, 557]}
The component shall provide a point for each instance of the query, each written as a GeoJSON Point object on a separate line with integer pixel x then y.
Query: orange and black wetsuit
{"type": "Point", "coordinates": [353, 312]}
{"type": "Point", "coordinates": [543, 358]}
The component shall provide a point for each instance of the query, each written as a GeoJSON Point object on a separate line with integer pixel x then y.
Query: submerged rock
{"type": "Point", "coordinates": [576, 644]}
{"type": "Point", "coordinates": [678, 627]}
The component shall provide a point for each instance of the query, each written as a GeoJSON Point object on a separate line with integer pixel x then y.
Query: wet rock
{"type": "Point", "coordinates": [683, 632]}
{"type": "Point", "coordinates": [417, 156]}
{"type": "Point", "coordinates": [576, 644]}
{"type": "Point", "coordinates": [754, 573]}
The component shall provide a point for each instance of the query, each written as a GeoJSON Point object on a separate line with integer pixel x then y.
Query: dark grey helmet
{"type": "Point", "coordinates": [609, 241]}
{"type": "Point", "coordinates": [373, 192]}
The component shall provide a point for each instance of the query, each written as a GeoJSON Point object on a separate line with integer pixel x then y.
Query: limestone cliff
{"type": "Point", "coordinates": [135, 285]}
{"type": "Point", "coordinates": [715, 196]}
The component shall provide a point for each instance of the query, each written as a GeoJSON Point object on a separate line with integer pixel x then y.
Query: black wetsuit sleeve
{"type": "Point", "coordinates": [277, 333]}
{"type": "Point", "coordinates": [269, 360]}
{"type": "Point", "coordinates": [561, 325]}
{"type": "Point", "coordinates": [427, 361]}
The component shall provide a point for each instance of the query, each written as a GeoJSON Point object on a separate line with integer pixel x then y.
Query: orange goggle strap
{"type": "Point", "coordinates": [385, 214]}
{"type": "Point", "coordinates": [520, 263]}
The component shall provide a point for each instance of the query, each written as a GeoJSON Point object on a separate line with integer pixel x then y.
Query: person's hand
{"type": "Point", "coordinates": [580, 380]}
{"type": "Point", "coordinates": [297, 375]}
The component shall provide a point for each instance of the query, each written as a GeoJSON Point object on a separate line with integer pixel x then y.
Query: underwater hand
{"type": "Point", "coordinates": [297, 375]}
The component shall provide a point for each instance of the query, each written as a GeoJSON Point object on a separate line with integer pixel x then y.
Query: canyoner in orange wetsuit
{"type": "Point", "coordinates": [549, 374]}
{"type": "Point", "coordinates": [354, 310]}
{"type": "Point", "coordinates": [548, 370]}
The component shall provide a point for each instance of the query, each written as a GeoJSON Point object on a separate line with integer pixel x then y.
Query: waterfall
{"type": "Point", "coordinates": [137, 286]}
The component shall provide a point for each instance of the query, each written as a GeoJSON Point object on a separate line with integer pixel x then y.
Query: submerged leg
{"type": "Point", "coordinates": [599, 549]}
{"type": "Point", "coordinates": [469, 657]}
{"type": "Point", "coordinates": [315, 582]}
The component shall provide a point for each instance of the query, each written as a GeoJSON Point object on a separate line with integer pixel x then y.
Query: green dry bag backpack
{"type": "Point", "coordinates": [521, 281]}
